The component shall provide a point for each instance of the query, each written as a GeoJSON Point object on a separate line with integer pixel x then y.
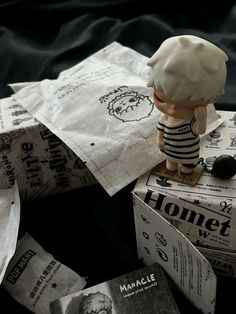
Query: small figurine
{"type": "Point", "coordinates": [187, 73]}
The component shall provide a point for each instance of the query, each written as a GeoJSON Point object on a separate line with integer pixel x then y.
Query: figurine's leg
{"type": "Point", "coordinates": [171, 165]}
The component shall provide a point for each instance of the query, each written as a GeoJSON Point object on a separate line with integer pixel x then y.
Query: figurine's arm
{"type": "Point", "coordinates": [160, 139]}
{"type": "Point", "coordinates": [200, 114]}
{"type": "Point", "coordinates": [160, 132]}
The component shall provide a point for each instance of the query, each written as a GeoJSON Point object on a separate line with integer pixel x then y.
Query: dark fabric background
{"type": "Point", "coordinates": [95, 235]}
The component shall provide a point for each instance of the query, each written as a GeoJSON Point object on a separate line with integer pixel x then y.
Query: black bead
{"type": "Point", "coordinates": [224, 167]}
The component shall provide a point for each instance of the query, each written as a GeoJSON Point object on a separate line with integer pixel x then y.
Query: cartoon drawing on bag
{"type": "Point", "coordinates": [130, 106]}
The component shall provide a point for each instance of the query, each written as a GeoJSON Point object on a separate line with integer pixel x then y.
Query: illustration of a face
{"type": "Point", "coordinates": [5, 143]}
{"type": "Point", "coordinates": [214, 134]}
{"type": "Point", "coordinates": [233, 119]}
{"type": "Point", "coordinates": [96, 303]}
{"type": "Point", "coordinates": [233, 140]}
{"type": "Point", "coordinates": [130, 106]}
{"type": "Point", "coordinates": [176, 109]}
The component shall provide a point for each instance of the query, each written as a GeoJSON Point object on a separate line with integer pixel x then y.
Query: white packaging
{"type": "Point", "coordinates": [204, 213]}
{"type": "Point", "coordinates": [35, 279]}
{"type": "Point", "coordinates": [9, 225]}
{"type": "Point", "coordinates": [31, 154]}
{"type": "Point", "coordinates": [103, 110]}
{"type": "Point", "coordinates": [159, 241]}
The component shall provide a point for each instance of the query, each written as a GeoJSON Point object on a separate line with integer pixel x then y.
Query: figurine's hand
{"type": "Point", "coordinates": [200, 113]}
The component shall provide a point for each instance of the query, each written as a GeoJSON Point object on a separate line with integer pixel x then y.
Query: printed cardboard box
{"type": "Point", "coordinates": [143, 291]}
{"type": "Point", "coordinates": [159, 241]}
{"type": "Point", "coordinates": [31, 154]}
{"type": "Point", "coordinates": [204, 213]}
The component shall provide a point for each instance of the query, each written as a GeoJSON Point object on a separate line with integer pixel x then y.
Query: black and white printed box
{"type": "Point", "coordinates": [143, 291]}
{"type": "Point", "coordinates": [159, 241]}
{"type": "Point", "coordinates": [204, 213]}
{"type": "Point", "coordinates": [31, 154]}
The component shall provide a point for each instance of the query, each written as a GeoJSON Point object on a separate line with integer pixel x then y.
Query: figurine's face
{"type": "Point", "coordinates": [183, 109]}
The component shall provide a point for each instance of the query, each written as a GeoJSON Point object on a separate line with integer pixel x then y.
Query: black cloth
{"type": "Point", "coordinates": [95, 236]}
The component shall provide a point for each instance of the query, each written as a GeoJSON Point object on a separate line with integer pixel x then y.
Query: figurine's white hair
{"type": "Point", "coordinates": [188, 67]}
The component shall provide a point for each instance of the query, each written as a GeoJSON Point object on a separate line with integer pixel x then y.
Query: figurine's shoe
{"type": "Point", "coordinates": [186, 170]}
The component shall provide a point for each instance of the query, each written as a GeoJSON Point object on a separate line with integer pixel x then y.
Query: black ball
{"type": "Point", "coordinates": [224, 167]}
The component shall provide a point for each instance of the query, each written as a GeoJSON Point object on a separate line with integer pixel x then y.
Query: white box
{"type": "Point", "coordinates": [205, 213]}
{"type": "Point", "coordinates": [159, 241]}
{"type": "Point", "coordinates": [31, 154]}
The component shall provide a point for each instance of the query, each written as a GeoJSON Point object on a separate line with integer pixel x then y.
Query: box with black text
{"type": "Point", "coordinates": [144, 291]}
{"type": "Point", "coordinates": [41, 163]}
{"type": "Point", "coordinates": [204, 213]}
